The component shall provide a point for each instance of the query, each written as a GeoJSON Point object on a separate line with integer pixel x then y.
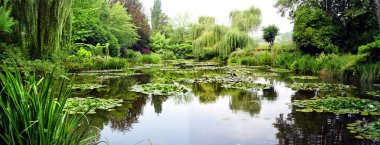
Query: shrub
{"type": "Point", "coordinates": [371, 51]}
{"type": "Point", "coordinates": [128, 53]}
{"type": "Point", "coordinates": [150, 58]}
{"type": "Point", "coordinates": [306, 65]}
{"type": "Point", "coordinates": [167, 55]}
{"type": "Point", "coordinates": [285, 59]}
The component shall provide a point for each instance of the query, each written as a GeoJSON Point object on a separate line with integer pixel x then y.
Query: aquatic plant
{"type": "Point", "coordinates": [339, 105]}
{"type": "Point", "coordinates": [162, 89]}
{"type": "Point", "coordinates": [319, 86]}
{"type": "Point", "coordinates": [365, 130]}
{"type": "Point", "coordinates": [86, 86]}
{"type": "Point", "coordinates": [305, 77]}
{"type": "Point", "coordinates": [226, 79]}
{"type": "Point", "coordinates": [89, 105]}
{"type": "Point", "coordinates": [247, 86]}
{"type": "Point", "coordinates": [32, 112]}
{"type": "Point", "coordinates": [374, 93]}
{"type": "Point", "coordinates": [280, 70]}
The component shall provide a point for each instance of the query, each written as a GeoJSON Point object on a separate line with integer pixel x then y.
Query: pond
{"type": "Point", "coordinates": [215, 114]}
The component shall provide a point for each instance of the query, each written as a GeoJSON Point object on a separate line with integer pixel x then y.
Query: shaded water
{"type": "Point", "coordinates": [214, 116]}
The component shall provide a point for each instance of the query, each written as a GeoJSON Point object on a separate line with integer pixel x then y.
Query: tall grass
{"type": "Point", "coordinates": [31, 112]}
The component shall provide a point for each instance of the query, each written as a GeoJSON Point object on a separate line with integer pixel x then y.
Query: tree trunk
{"type": "Point", "coordinates": [43, 26]}
{"type": "Point", "coordinates": [378, 11]}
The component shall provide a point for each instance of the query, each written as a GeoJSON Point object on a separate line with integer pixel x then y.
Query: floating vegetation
{"type": "Point", "coordinates": [170, 69]}
{"type": "Point", "coordinates": [89, 105]}
{"type": "Point", "coordinates": [319, 86]}
{"type": "Point", "coordinates": [365, 130]}
{"type": "Point", "coordinates": [162, 89]}
{"type": "Point", "coordinates": [247, 86]}
{"type": "Point", "coordinates": [305, 77]}
{"type": "Point", "coordinates": [339, 105]}
{"type": "Point", "coordinates": [374, 93]}
{"type": "Point", "coordinates": [108, 77]}
{"type": "Point", "coordinates": [229, 79]}
{"type": "Point", "coordinates": [280, 70]}
{"type": "Point", "coordinates": [86, 86]}
{"type": "Point", "coordinates": [124, 74]}
{"type": "Point", "coordinates": [265, 74]}
{"type": "Point", "coordinates": [208, 68]}
{"type": "Point", "coordinates": [103, 71]}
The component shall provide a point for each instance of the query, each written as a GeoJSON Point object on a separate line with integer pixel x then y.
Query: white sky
{"type": "Point", "coordinates": [220, 9]}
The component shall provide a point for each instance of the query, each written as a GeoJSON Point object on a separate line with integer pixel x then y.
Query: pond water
{"type": "Point", "coordinates": [213, 115]}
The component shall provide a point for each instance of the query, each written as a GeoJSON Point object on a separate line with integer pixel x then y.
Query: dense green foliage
{"type": "Point", "coordinates": [345, 25]}
{"type": "Point", "coordinates": [6, 22]}
{"type": "Point", "coordinates": [33, 112]}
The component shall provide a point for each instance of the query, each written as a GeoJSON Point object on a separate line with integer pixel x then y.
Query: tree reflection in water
{"type": "Point", "coordinates": [298, 128]}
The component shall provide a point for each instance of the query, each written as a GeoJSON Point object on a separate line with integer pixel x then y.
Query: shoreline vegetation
{"type": "Point", "coordinates": [87, 35]}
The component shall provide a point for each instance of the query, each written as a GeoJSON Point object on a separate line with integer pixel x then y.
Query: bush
{"type": "Point", "coordinates": [128, 53]}
{"type": "Point", "coordinates": [150, 58]}
{"type": "Point", "coordinates": [306, 65]}
{"type": "Point", "coordinates": [371, 51]}
{"type": "Point", "coordinates": [285, 59]}
{"type": "Point", "coordinates": [167, 55]}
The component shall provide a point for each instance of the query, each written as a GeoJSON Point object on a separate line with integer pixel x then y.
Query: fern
{"type": "Point", "coordinates": [6, 21]}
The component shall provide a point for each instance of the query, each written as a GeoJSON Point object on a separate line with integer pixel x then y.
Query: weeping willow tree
{"type": "Point", "coordinates": [211, 40]}
{"type": "Point", "coordinates": [246, 20]}
{"type": "Point", "coordinates": [43, 26]}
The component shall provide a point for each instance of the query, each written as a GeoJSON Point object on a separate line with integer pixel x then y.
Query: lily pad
{"type": "Point", "coordinates": [86, 86]}
{"type": "Point", "coordinates": [162, 89]}
{"type": "Point", "coordinates": [305, 77]}
{"type": "Point", "coordinates": [340, 105]}
{"type": "Point", "coordinates": [374, 93]}
{"type": "Point", "coordinates": [280, 70]}
{"type": "Point", "coordinates": [90, 105]}
{"type": "Point", "coordinates": [365, 130]}
{"type": "Point", "coordinates": [319, 86]}
{"type": "Point", "coordinates": [247, 86]}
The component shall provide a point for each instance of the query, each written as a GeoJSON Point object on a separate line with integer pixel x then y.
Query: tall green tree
{"type": "Point", "coordinates": [139, 19]}
{"type": "Point", "coordinates": [156, 16]}
{"type": "Point", "coordinates": [270, 33]}
{"type": "Point", "coordinates": [43, 27]}
{"type": "Point", "coordinates": [356, 21]}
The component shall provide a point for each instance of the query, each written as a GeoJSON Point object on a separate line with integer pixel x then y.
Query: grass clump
{"type": "Point", "coordinates": [339, 105]}
{"type": "Point", "coordinates": [32, 112]}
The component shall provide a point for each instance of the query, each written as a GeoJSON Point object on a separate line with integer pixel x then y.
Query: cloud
{"type": "Point", "coordinates": [220, 9]}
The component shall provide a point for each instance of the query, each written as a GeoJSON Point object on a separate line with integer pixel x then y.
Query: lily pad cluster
{"type": "Point", "coordinates": [162, 89]}
{"type": "Point", "coordinates": [90, 105]}
{"type": "Point", "coordinates": [374, 93]}
{"type": "Point", "coordinates": [247, 86]}
{"type": "Point", "coordinates": [319, 86]}
{"type": "Point", "coordinates": [339, 105]}
{"type": "Point", "coordinates": [230, 79]}
{"type": "Point", "coordinates": [305, 77]}
{"type": "Point", "coordinates": [280, 70]}
{"type": "Point", "coordinates": [86, 86]}
{"type": "Point", "coordinates": [365, 130]}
